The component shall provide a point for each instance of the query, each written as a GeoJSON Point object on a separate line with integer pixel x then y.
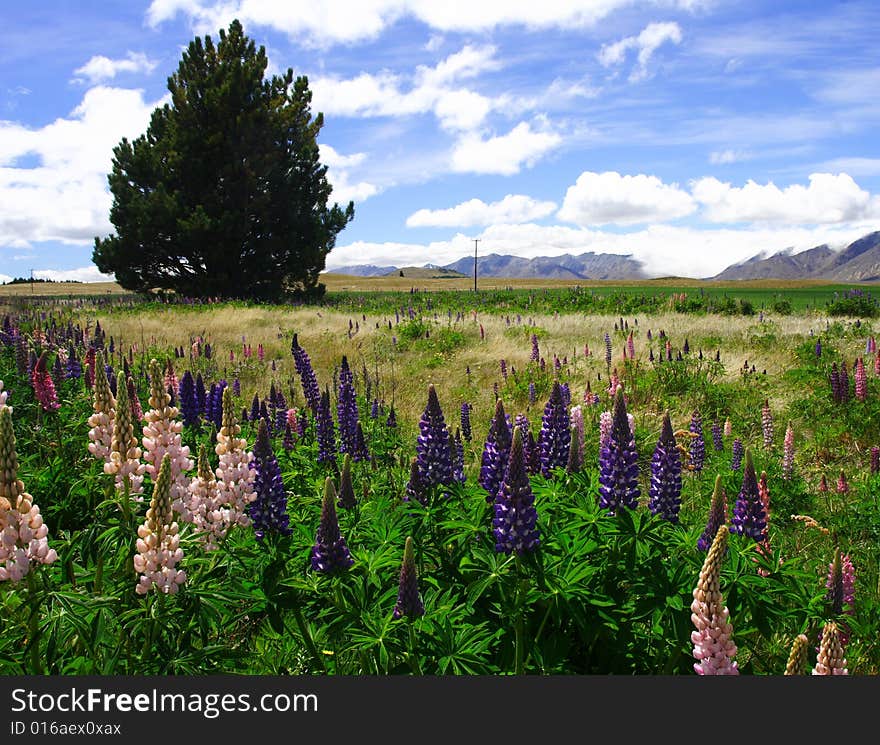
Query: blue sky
{"type": "Point", "coordinates": [690, 134]}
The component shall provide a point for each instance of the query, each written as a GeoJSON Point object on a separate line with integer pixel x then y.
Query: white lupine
{"type": "Point", "coordinates": [235, 478]}
{"type": "Point", "coordinates": [125, 455]}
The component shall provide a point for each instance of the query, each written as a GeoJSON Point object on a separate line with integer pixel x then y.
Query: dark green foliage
{"type": "Point", "coordinates": [224, 195]}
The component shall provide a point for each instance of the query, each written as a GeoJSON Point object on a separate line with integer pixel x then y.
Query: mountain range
{"type": "Point", "coordinates": [857, 262]}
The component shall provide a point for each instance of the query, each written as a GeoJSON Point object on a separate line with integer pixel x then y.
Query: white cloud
{"type": "Point", "coordinates": [514, 208]}
{"type": "Point", "coordinates": [647, 42]}
{"type": "Point", "coordinates": [339, 175]}
{"type": "Point", "coordinates": [434, 43]}
{"type": "Point", "coordinates": [83, 274]}
{"type": "Point", "coordinates": [100, 68]}
{"type": "Point", "coordinates": [65, 197]}
{"type": "Point", "coordinates": [725, 157]}
{"type": "Point", "coordinates": [828, 199]}
{"type": "Point", "coordinates": [349, 21]}
{"type": "Point", "coordinates": [503, 154]}
{"type": "Point", "coordinates": [609, 198]}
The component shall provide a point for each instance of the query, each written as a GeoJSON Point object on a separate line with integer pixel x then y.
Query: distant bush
{"type": "Point", "coordinates": [854, 302]}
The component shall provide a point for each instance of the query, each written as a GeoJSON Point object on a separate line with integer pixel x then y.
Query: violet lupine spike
{"type": "Point", "coordinates": [618, 463]}
{"type": "Point", "coordinates": [554, 439]}
{"type": "Point", "coordinates": [530, 447]}
{"type": "Point", "coordinates": [665, 489]}
{"type": "Point", "coordinates": [717, 440]}
{"type": "Point", "coordinates": [73, 367]}
{"type": "Point", "coordinates": [361, 452]}
{"type": "Point", "coordinates": [287, 441]}
{"type": "Point", "coordinates": [844, 384]}
{"type": "Point", "coordinates": [831, 660]}
{"type": "Point", "coordinates": [330, 553]}
{"type": "Point", "coordinates": [189, 406]}
{"type": "Point", "coordinates": [268, 510]}
{"type": "Point", "coordinates": [311, 391]}
{"type": "Point", "coordinates": [697, 449]}
{"type": "Point", "coordinates": [496, 452]}
{"type": "Point", "coordinates": [457, 457]}
{"type": "Point", "coordinates": [374, 409]}
{"type": "Point", "coordinates": [432, 445]}
{"type": "Point", "coordinates": [533, 395]}
{"type": "Point", "coordinates": [466, 420]}
{"type": "Point", "coordinates": [788, 453]}
{"type": "Point", "coordinates": [255, 409]}
{"type": "Point", "coordinates": [818, 348]}
{"type": "Point", "coordinates": [575, 462]}
{"type": "Point", "coordinates": [577, 421]}
{"type": "Point", "coordinates": [346, 409]}
{"type": "Point", "coordinates": [861, 378]}
{"type": "Point", "coordinates": [409, 601]}
{"type": "Point", "coordinates": [841, 584]}
{"type": "Point", "coordinates": [714, 648]}
{"type": "Point", "coordinates": [326, 432]}
{"type": "Point", "coordinates": [536, 354]}
{"type": "Point", "coordinates": [631, 346]}
{"type": "Point", "coordinates": [749, 513]}
{"type": "Point", "coordinates": [835, 384]}
{"type": "Point", "coordinates": [201, 395]}
{"type": "Point", "coordinates": [44, 388]}
{"type": "Point", "coordinates": [416, 489]}
{"type": "Point", "coordinates": [347, 499]}
{"type": "Point", "coordinates": [717, 516]}
{"type": "Point", "coordinates": [738, 452]}
{"type": "Point", "coordinates": [391, 422]}
{"type": "Point", "coordinates": [515, 522]}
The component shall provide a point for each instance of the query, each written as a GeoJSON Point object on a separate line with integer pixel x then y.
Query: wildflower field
{"type": "Point", "coordinates": [554, 481]}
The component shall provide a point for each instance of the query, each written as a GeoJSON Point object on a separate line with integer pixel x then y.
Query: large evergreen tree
{"type": "Point", "coordinates": [224, 195]}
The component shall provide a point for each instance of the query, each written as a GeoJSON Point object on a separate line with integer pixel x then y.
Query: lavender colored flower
{"type": "Point", "coordinates": [717, 440]}
{"type": "Point", "coordinates": [665, 490]}
{"type": "Point", "coordinates": [835, 384]}
{"type": "Point", "coordinates": [717, 516]}
{"type": "Point", "coordinates": [236, 387]}
{"type": "Point", "coordinates": [374, 409]}
{"type": "Point", "coordinates": [416, 488]}
{"type": "Point", "coordinates": [409, 601]}
{"type": "Point", "coordinates": [189, 410]}
{"type": "Point", "coordinates": [457, 448]}
{"type": "Point", "coordinates": [347, 499]}
{"type": "Point", "coordinates": [841, 584]}
{"type": "Point", "coordinates": [749, 513]}
{"type": "Point", "coordinates": [575, 461]}
{"type": "Point", "coordinates": [287, 442]}
{"type": "Point", "coordinates": [255, 408]}
{"type": "Point", "coordinates": [216, 406]}
{"type": "Point", "coordinates": [466, 420]}
{"type": "Point", "coordinates": [618, 463]}
{"type": "Point", "coordinates": [326, 432]}
{"type": "Point", "coordinates": [201, 395]}
{"type": "Point", "coordinates": [268, 511]}
{"type": "Point", "coordinates": [566, 394]}
{"type": "Point", "coordinates": [311, 391]}
{"type": "Point", "coordinates": [844, 384]}
{"type": "Point", "coordinates": [515, 523]}
{"type": "Point", "coordinates": [533, 395]}
{"type": "Point", "coordinates": [391, 422]}
{"type": "Point", "coordinates": [330, 553]}
{"type": "Point", "coordinates": [536, 354]}
{"type": "Point", "coordinates": [738, 452]}
{"type": "Point", "coordinates": [432, 444]}
{"type": "Point", "coordinates": [73, 366]}
{"type": "Point", "coordinates": [818, 348]}
{"type": "Point", "coordinates": [697, 448]}
{"type": "Point", "coordinates": [361, 452]}
{"type": "Point", "coordinates": [496, 452]}
{"type": "Point", "coordinates": [554, 439]}
{"type": "Point", "coordinates": [346, 409]}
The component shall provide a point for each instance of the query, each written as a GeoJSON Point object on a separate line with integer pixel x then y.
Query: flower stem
{"type": "Point", "coordinates": [34, 625]}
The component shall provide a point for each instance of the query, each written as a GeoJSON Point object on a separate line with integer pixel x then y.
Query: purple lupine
{"type": "Point", "coordinates": [409, 601]}
{"type": "Point", "coordinates": [738, 452]}
{"type": "Point", "coordinates": [835, 384]}
{"type": "Point", "coordinates": [280, 412]}
{"type": "Point", "coordinates": [73, 366]}
{"type": "Point", "coordinates": [697, 449]}
{"type": "Point", "coordinates": [515, 523]}
{"type": "Point", "coordinates": [287, 442]}
{"type": "Point", "coordinates": [618, 463]}
{"type": "Point", "coordinates": [346, 409]}
{"type": "Point", "coordinates": [533, 395]}
{"type": "Point", "coordinates": [189, 411]}
{"type": "Point", "coordinates": [255, 408]}
{"type": "Point", "coordinates": [347, 499]}
{"type": "Point", "coordinates": [818, 348]}
{"type": "Point", "coordinates": [416, 488]}
{"type": "Point", "coordinates": [665, 490]}
{"type": "Point", "coordinates": [566, 394]}
{"type": "Point", "coordinates": [391, 422]}
{"type": "Point", "coordinates": [496, 452]}
{"type": "Point", "coordinates": [717, 516]}
{"type": "Point", "coordinates": [361, 452]}
{"type": "Point", "coordinates": [844, 383]}
{"type": "Point", "coordinates": [58, 371]}
{"type": "Point", "coordinates": [466, 420]}
{"type": "Point", "coordinates": [111, 381]}
{"type": "Point", "coordinates": [749, 513]}
{"type": "Point", "coordinates": [236, 387]}
{"type": "Point", "coordinates": [457, 447]}
{"type": "Point", "coordinates": [536, 354]}
{"type": "Point", "coordinates": [432, 444]}
{"type": "Point", "coordinates": [374, 409]}
{"type": "Point", "coordinates": [311, 391]}
{"type": "Point", "coordinates": [268, 511]}
{"type": "Point", "coordinates": [503, 364]}
{"type": "Point", "coordinates": [326, 432]}
{"type": "Point", "coordinates": [575, 460]}
{"type": "Point", "coordinates": [554, 439]}
{"type": "Point", "coordinates": [201, 395]}
{"type": "Point", "coordinates": [607, 350]}
{"type": "Point", "coordinates": [533, 453]}
{"type": "Point", "coordinates": [216, 406]}
{"type": "Point", "coordinates": [330, 553]}
{"type": "Point", "coordinates": [717, 440]}
{"type": "Point", "coordinates": [767, 424]}
{"type": "Point", "coordinates": [875, 459]}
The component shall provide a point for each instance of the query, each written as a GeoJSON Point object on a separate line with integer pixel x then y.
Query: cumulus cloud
{"type": "Point", "coordinates": [503, 154]}
{"type": "Point", "coordinates": [610, 198]}
{"type": "Point", "coordinates": [339, 168]}
{"type": "Point", "coordinates": [829, 198]}
{"type": "Point", "coordinates": [99, 68]}
{"type": "Point", "coordinates": [82, 274]}
{"type": "Point", "coordinates": [647, 42]}
{"type": "Point", "coordinates": [514, 208]}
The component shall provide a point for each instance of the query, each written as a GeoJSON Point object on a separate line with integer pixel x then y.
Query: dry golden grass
{"type": "Point", "coordinates": [54, 289]}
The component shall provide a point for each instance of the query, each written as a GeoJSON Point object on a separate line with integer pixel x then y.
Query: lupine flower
{"type": "Point", "coordinates": [326, 432]}
{"type": "Point", "coordinates": [216, 405]}
{"type": "Point", "coordinates": [767, 424]}
{"type": "Point", "coordinates": [287, 442]}
{"type": "Point", "coordinates": [607, 350]}
{"type": "Point", "coordinates": [330, 553]}
{"type": "Point", "coordinates": [201, 395]}
{"type": "Point", "coordinates": [665, 490]}
{"type": "Point", "coordinates": [606, 419]}
{"type": "Point", "coordinates": [788, 453]}
{"type": "Point", "coordinates": [255, 408]}
{"type": "Point", "coordinates": [416, 488]}
{"type": "Point", "coordinates": [714, 648]}
{"type": "Point", "coordinates": [877, 365]}
{"type": "Point", "coordinates": [4, 395]}
{"type": "Point", "coordinates": [835, 384]}
{"type": "Point", "coordinates": [738, 452]}
{"type": "Point", "coordinates": [409, 601]}
{"type": "Point", "coordinates": [432, 445]}
{"type": "Point", "coordinates": [23, 534]}
{"type": "Point", "coordinates": [823, 484]}
{"type": "Point", "coordinates": [875, 459]}
{"type": "Point", "coordinates": [844, 384]}
{"type": "Point", "coordinates": [554, 439]}
{"type": "Point", "coordinates": [189, 406]}
{"type": "Point", "coordinates": [235, 477]}
{"type": "Point", "coordinates": [44, 388]}
{"type": "Point", "coordinates": [466, 420]}
{"type": "Point", "coordinates": [861, 378]}
{"type": "Point", "coordinates": [104, 412]}
{"type": "Point", "coordinates": [631, 346]}
{"type": "Point", "coordinates": [268, 510]}
{"type": "Point", "coordinates": [307, 375]}
{"type": "Point", "coordinates": [171, 383]}
{"type": "Point", "coordinates": [347, 500]}
{"type": "Point", "coordinates": [842, 485]}
{"type": "Point", "coordinates": [535, 356]}
{"type": "Point", "coordinates": [158, 544]}
{"type": "Point", "coordinates": [457, 447]}
{"type": "Point", "coordinates": [346, 409]}
{"type": "Point", "coordinates": [575, 461]}
{"type": "Point", "coordinates": [515, 523]}
{"type": "Point", "coordinates": [841, 584]}
{"type": "Point", "coordinates": [749, 513]}
{"type": "Point", "coordinates": [21, 354]}
{"type": "Point", "coordinates": [797, 659]}
{"type": "Point", "coordinates": [90, 363]}
{"type": "Point", "coordinates": [58, 369]}
{"type": "Point", "coordinates": [374, 409]}
{"type": "Point", "coordinates": [496, 452]}
{"type": "Point", "coordinates": [577, 420]}
{"type": "Point", "coordinates": [830, 660]}
{"type": "Point", "coordinates": [818, 348]}
{"type": "Point", "coordinates": [717, 441]}
{"type": "Point", "coordinates": [697, 449]}
{"type": "Point", "coordinates": [391, 422]}
{"type": "Point", "coordinates": [162, 434]}
{"type": "Point", "coordinates": [728, 427]}
{"type": "Point", "coordinates": [618, 463]}
{"type": "Point", "coordinates": [72, 366]}
{"type": "Point", "coordinates": [717, 516]}
{"type": "Point", "coordinates": [204, 507]}
{"type": "Point", "coordinates": [137, 413]}
{"type": "Point", "coordinates": [360, 445]}
{"type": "Point", "coordinates": [125, 455]}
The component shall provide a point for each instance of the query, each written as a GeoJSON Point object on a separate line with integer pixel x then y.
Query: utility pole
{"type": "Point", "coordinates": [476, 241]}
{"type": "Point", "coordinates": [32, 281]}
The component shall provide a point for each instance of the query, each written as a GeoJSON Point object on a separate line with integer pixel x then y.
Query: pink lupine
{"type": "Point", "coordinates": [44, 388]}
{"type": "Point", "coordinates": [208, 514]}
{"type": "Point", "coordinates": [631, 346]}
{"type": "Point", "coordinates": [261, 355]}
{"type": "Point", "coordinates": [614, 383]}
{"type": "Point", "coordinates": [861, 378]}
{"type": "Point", "coordinates": [125, 455]}
{"type": "Point", "coordinates": [823, 484]}
{"type": "Point", "coordinates": [767, 424]}
{"type": "Point", "coordinates": [171, 381]}
{"type": "Point", "coordinates": [728, 427]}
{"type": "Point", "coordinates": [788, 453]}
{"type": "Point", "coordinates": [162, 434]}
{"type": "Point", "coordinates": [830, 660]}
{"type": "Point", "coordinates": [235, 478]}
{"type": "Point", "coordinates": [158, 543]}
{"type": "Point", "coordinates": [842, 485]}
{"type": "Point", "coordinates": [877, 365]}
{"type": "Point", "coordinates": [104, 407]}
{"type": "Point", "coordinates": [714, 648]}
{"type": "Point", "coordinates": [23, 534]}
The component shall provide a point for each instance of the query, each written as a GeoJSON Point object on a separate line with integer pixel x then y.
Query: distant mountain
{"type": "Point", "coordinates": [858, 262]}
{"type": "Point", "coordinates": [585, 266]}
{"type": "Point", "coordinates": [429, 271]}
{"type": "Point", "coordinates": [364, 270]}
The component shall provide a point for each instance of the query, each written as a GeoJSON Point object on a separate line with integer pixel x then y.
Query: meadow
{"type": "Point", "coordinates": [396, 520]}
